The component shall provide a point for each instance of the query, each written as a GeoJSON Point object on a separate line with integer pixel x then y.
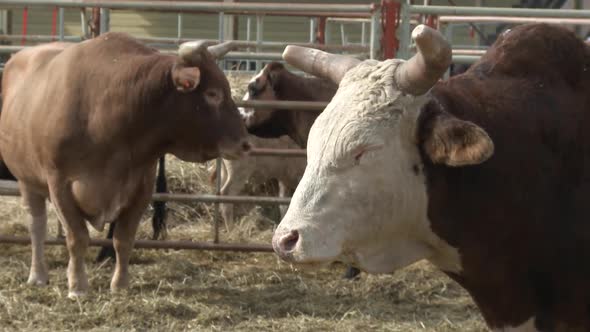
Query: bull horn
{"type": "Point", "coordinates": [319, 63]}
{"type": "Point", "coordinates": [417, 75]}
{"type": "Point", "coordinates": [191, 52]}
{"type": "Point", "coordinates": [219, 50]}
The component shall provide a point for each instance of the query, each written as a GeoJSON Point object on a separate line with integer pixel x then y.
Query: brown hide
{"type": "Point", "coordinates": [520, 219]}
{"type": "Point", "coordinates": [84, 124]}
{"type": "Point", "coordinates": [285, 85]}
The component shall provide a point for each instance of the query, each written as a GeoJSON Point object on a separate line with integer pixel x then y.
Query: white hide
{"type": "Point", "coordinates": [286, 170]}
{"type": "Point", "coordinates": [371, 213]}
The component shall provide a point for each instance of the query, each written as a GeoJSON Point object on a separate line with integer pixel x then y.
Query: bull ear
{"type": "Point", "coordinates": [453, 142]}
{"type": "Point", "coordinates": [185, 78]}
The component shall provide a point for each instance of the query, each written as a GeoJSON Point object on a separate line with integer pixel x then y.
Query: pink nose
{"type": "Point", "coordinates": [284, 244]}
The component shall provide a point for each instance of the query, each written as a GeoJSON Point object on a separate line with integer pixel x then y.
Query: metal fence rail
{"type": "Point", "coordinates": [204, 7]}
{"type": "Point", "coordinates": [151, 244]}
{"type": "Point", "coordinates": [370, 12]}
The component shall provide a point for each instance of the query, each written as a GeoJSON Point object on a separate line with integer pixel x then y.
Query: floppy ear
{"type": "Point", "coordinates": [453, 142]}
{"type": "Point", "coordinates": [186, 79]}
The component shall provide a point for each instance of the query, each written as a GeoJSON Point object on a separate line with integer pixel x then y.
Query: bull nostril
{"type": "Point", "coordinates": [246, 146]}
{"type": "Point", "coordinates": [289, 241]}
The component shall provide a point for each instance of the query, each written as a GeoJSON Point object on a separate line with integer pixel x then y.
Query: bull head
{"type": "Point", "coordinates": [363, 197]}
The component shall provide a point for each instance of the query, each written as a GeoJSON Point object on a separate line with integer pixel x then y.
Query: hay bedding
{"type": "Point", "coordinates": [221, 291]}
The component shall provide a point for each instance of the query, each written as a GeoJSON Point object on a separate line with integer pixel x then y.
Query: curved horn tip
{"type": "Point", "coordinates": [433, 45]}
{"type": "Point", "coordinates": [420, 30]}
{"type": "Point", "coordinates": [290, 50]}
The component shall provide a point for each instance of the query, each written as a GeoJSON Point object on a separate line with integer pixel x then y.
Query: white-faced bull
{"type": "Point", "coordinates": [484, 175]}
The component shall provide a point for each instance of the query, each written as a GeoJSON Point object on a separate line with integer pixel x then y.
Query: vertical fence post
{"type": "Point", "coordinates": [373, 41]}
{"type": "Point", "coordinates": [259, 36]}
{"type": "Point", "coordinates": [61, 23]}
{"type": "Point", "coordinates": [84, 23]}
{"type": "Point", "coordinates": [105, 20]}
{"type": "Point", "coordinates": [404, 32]}
{"type": "Point", "coordinates": [221, 36]}
{"type": "Point", "coordinates": [312, 28]}
{"type": "Point", "coordinates": [179, 27]}
{"type": "Point", "coordinates": [390, 20]}
{"type": "Point", "coordinates": [363, 33]}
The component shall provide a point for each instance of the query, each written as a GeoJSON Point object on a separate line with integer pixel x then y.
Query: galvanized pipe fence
{"type": "Point", "coordinates": [349, 12]}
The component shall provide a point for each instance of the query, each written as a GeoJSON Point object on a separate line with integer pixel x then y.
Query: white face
{"type": "Point", "coordinates": [265, 92]}
{"type": "Point", "coordinates": [360, 200]}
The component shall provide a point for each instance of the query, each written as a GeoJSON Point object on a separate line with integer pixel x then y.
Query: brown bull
{"type": "Point", "coordinates": [84, 124]}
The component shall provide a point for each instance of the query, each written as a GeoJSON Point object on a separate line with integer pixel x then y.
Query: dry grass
{"type": "Point", "coordinates": [217, 291]}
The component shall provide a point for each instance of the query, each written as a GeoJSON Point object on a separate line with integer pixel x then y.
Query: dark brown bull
{"type": "Point", "coordinates": [84, 125]}
{"type": "Point", "coordinates": [275, 82]}
{"type": "Point", "coordinates": [484, 175]}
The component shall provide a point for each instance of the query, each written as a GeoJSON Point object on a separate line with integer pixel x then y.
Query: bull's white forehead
{"type": "Point", "coordinates": [365, 102]}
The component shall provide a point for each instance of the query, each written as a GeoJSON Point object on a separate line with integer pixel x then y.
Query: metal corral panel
{"type": "Point", "coordinates": [152, 24]}
{"type": "Point", "coordinates": [40, 19]}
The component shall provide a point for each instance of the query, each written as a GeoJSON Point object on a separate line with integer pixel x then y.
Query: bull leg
{"type": "Point", "coordinates": [38, 227]}
{"type": "Point", "coordinates": [228, 188]}
{"type": "Point", "coordinates": [77, 237]}
{"type": "Point", "coordinates": [124, 237]}
{"type": "Point", "coordinates": [60, 231]}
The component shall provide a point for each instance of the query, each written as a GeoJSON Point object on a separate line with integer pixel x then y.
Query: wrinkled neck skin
{"type": "Point", "coordinates": [372, 214]}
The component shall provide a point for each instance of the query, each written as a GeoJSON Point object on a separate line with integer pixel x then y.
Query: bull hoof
{"type": "Point", "coordinates": [352, 273]}
{"type": "Point", "coordinates": [38, 280]}
{"type": "Point", "coordinates": [119, 285]}
{"type": "Point", "coordinates": [76, 294]}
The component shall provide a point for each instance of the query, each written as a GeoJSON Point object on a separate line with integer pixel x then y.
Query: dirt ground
{"type": "Point", "coordinates": [221, 291]}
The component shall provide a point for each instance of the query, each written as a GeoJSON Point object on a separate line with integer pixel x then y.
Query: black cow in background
{"type": "Point", "coordinates": [158, 218]}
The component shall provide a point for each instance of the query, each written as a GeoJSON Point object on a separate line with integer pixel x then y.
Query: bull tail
{"type": "Point", "coordinates": [159, 217]}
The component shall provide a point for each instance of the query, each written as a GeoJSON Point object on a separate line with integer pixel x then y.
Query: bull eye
{"type": "Point", "coordinates": [358, 156]}
{"type": "Point", "coordinates": [360, 151]}
{"type": "Point", "coordinates": [211, 93]}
